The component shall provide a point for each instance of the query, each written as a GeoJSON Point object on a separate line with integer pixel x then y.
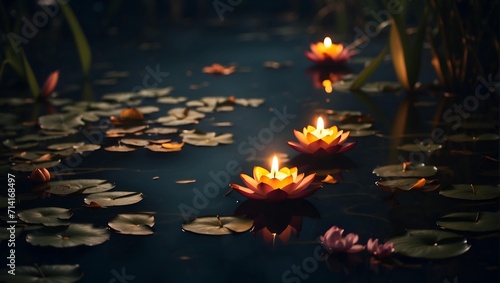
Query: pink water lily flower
{"type": "Point", "coordinates": [379, 251]}
{"type": "Point", "coordinates": [333, 241]}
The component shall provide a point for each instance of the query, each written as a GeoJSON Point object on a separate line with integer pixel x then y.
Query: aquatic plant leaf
{"type": "Point", "coordinates": [215, 225]}
{"type": "Point", "coordinates": [356, 127]}
{"type": "Point", "coordinates": [48, 216]}
{"type": "Point", "coordinates": [43, 274]}
{"type": "Point", "coordinates": [28, 167]}
{"type": "Point", "coordinates": [83, 186]}
{"type": "Point", "coordinates": [61, 122]}
{"type": "Point", "coordinates": [120, 97]}
{"type": "Point", "coordinates": [430, 244]}
{"type": "Point", "coordinates": [155, 92]}
{"type": "Point", "coordinates": [408, 184]}
{"type": "Point", "coordinates": [161, 148]}
{"type": "Point", "coordinates": [368, 70]}
{"type": "Point", "coordinates": [161, 131]}
{"type": "Point", "coordinates": [413, 170]}
{"type": "Point", "coordinates": [470, 191]}
{"type": "Point", "coordinates": [120, 148]}
{"type": "Point", "coordinates": [128, 130]}
{"type": "Point", "coordinates": [82, 45]}
{"type": "Point", "coordinates": [417, 147]}
{"type": "Point", "coordinates": [114, 198]}
{"type": "Point", "coordinates": [171, 100]}
{"type": "Point", "coordinates": [133, 224]}
{"type": "Point", "coordinates": [205, 139]}
{"type": "Point", "coordinates": [483, 221]}
{"type": "Point", "coordinates": [134, 142]}
{"type": "Point", "coordinates": [61, 146]}
{"type": "Point", "coordinates": [68, 236]}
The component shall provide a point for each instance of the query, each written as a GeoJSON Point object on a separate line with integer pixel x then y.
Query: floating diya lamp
{"type": "Point", "coordinates": [276, 185]}
{"type": "Point", "coordinates": [329, 53]}
{"type": "Point", "coordinates": [320, 141]}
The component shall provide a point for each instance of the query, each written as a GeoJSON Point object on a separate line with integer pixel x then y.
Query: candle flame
{"type": "Point", "coordinates": [327, 42]}
{"type": "Point", "coordinates": [320, 125]}
{"type": "Point", "coordinates": [327, 84]}
{"type": "Point", "coordinates": [274, 166]}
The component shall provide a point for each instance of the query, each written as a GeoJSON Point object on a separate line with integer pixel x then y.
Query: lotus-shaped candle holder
{"type": "Point", "coordinates": [320, 141]}
{"type": "Point", "coordinates": [277, 185]}
{"type": "Point", "coordinates": [328, 53]}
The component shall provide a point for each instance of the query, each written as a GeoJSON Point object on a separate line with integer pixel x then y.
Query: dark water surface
{"type": "Point", "coordinates": [355, 203]}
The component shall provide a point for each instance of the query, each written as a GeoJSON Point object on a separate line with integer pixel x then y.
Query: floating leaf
{"type": "Point", "coordinates": [114, 198]}
{"type": "Point", "coordinates": [43, 274]}
{"type": "Point", "coordinates": [48, 216]}
{"type": "Point", "coordinates": [129, 130]}
{"type": "Point", "coordinates": [161, 148]}
{"type": "Point", "coordinates": [431, 244]}
{"type": "Point", "coordinates": [400, 170]}
{"type": "Point", "coordinates": [68, 236]}
{"type": "Point", "coordinates": [171, 100]}
{"type": "Point", "coordinates": [362, 133]}
{"type": "Point", "coordinates": [356, 127]}
{"type": "Point", "coordinates": [134, 142]}
{"type": "Point", "coordinates": [408, 184]}
{"type": "Point", "coordinates": [14, 145]}
{"type": "Point", "coordinates": [417, 147]}
{"type": "Point", "coordinates": [133, 224]}
{"type": "Point", "coordinates": [206, 139]}
{"type": "Point", "coordinates": [83, 186]}
{"type": "Point", "coordinates": [155, 92]}
{"type": "Point", "coordinates": [120, 148]}
{"type": "Point", "coordinates": [61, 122]}
{"type": "Point", "coordinates": [159, 141]}
{"type": "Point", "coordinates": [120, 96]}
{"type": "Point", "coordinates": [483, 221]}
{"type": "Point", "coordinates": [471, 192]}
{"type": "Point", "coordinates": [61, 146]}
{"type": "Point", "coordinates": [185, 181]}
{"type": "Point", "coordinates": [215, 225]}
{"type": "Point", "coordinates": [28, 167]}
{"type": "Point", "coordinates": [161, 131]}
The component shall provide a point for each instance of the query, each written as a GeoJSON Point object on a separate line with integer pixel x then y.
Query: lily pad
{"type": "Point", "coordinates": [161, 131]}
{"type": "Point", "coordinates": [48, 216]}
{"type": "Point", "coordinates": [120, 148]}
{"type": "Point", "coordinates": [28, 167]}
{"type": "Point", "coordinates": [134, 142]}
{"type": "Point", "coordinates": [43, 274]}
{"type": "Point", "coordinates": [215, 225]}
{"type": "Point", "coordinates": [133, 224]}
{"type": "Point", "coordinates": [471, 191]}
{"type": "Point", "coordinates": [400, 170]}
{"type": "Point", "coordinates": [61, 146]}
{"type": "Point", "coordinates": [484, 221]}
{"type": "Point", "coordinates": [206, 139]}
{"type": "Point", "coordinates": [408, 184]}
{"type": "Point", "coordinates": [430, 244]}
{"type": "Point", "coordinates": [171, 100]}
{"type": "Point", "coordinates": [114, 198]}
{"type": "Point", "coordinates": [161, 148]}
{"type": "Point", "coordinates": [417, 147]}
{"type": "Point", "coordinates": [61, 122]}
{"type": "Point", "coordinates": [69, 236]}
{"type": "Point", "coordinates": [155, 92]}
{"type": "Point", "coordinates": [84, 186]}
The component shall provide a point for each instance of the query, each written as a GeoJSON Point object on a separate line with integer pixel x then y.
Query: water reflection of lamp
{"type": "Point", "coordinates": [325, 77]}
{"type": "Point", "coordinates": [277, 220]}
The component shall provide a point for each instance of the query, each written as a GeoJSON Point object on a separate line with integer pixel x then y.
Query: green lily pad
{"type": "Point", "coordinates": [69, 236]}
{"type": "Point", "coordinates": [114, 198]}
{"type": "Point", "coordinates": [134, 142]}
{"type": "Point", "coordinates": [43, 274]}
{"type": "Point", "coordinates": [412, 170]}
{"type": "Point", "coordinates": [471, 192]}
{"type": "Point", "coordinates": [84, 186]}
{"type": "Point", "coordinates": [417, 147]}
{"type": "Point", "coordinates": [483, 221]}
{"type": "Point", "coordinates": [133, 224]}
{"type": "Point", "coordinates": [61, 146]}
{"type": "Point", "coordinates": [206, 139]}
{"type": "Point", "coordinates": [408, 184]}
{"type": "Point", "coordinates": [215, 225]}
{"type": "Point", "coordinates": [61, 122]}
{"type": "Point", "coordinates": [430, 244]}
{"type": "Point", "coordinates": [28, 167]}
{"type": "Point", "coordinates": [48, 216]}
